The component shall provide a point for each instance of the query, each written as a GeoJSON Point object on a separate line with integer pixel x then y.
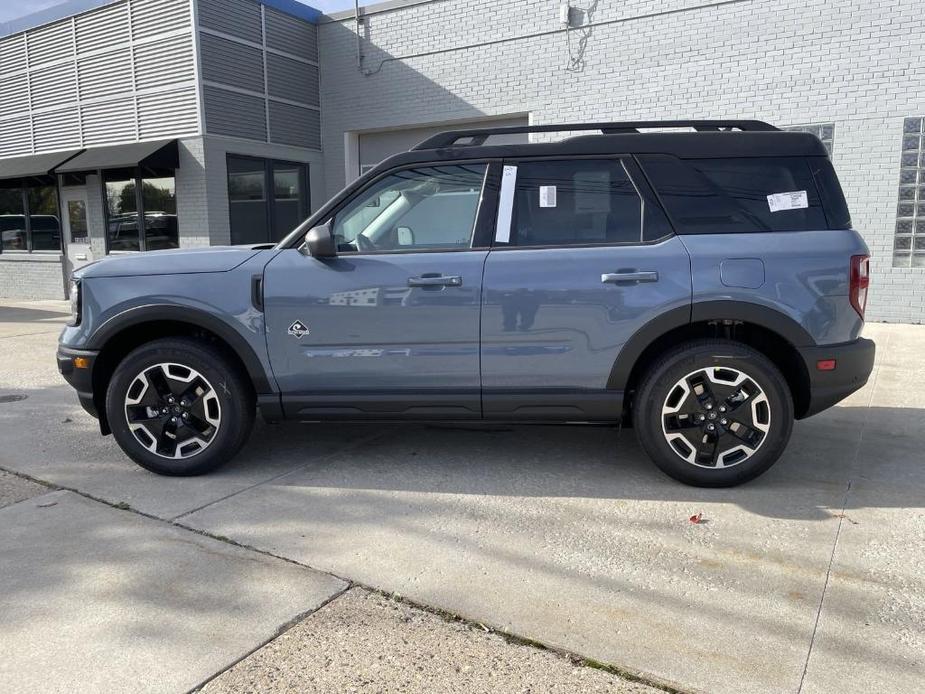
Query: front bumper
{"type": "Point", "coordinates": [854, 362]}
{"type": "Point", "coordinates": [81, 378]}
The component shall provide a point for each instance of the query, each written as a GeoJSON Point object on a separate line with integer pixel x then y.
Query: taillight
{"type": "Point", "coordinates": [860, 281]}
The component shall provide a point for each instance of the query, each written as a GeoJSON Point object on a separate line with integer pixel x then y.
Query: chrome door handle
{"type": "Point", "coordinates": [435, 281]}
{"type": "Point", "coordinates": [630, 276]}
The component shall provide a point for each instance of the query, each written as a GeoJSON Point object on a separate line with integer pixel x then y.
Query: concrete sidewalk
{"type": "Point", "coordinates": [806, 579]}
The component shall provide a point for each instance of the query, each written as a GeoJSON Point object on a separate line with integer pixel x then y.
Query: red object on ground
{"type": "Point", "coordinates": [697, 518]}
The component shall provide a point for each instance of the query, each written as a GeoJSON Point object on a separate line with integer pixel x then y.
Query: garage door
{"type": "Point", "coordinates": [374, 147]}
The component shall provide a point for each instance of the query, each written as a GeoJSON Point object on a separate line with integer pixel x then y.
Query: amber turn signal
{"type": "Point", "coordinates": [81, 363]}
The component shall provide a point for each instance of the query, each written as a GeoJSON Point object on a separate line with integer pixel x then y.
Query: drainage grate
{"type": "Point", "coordinates": [12, 398]}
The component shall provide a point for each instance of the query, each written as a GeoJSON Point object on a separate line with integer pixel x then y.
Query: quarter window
{"type": "Point", "coordinates": [418, 209]}
{"type": "Point", "coordinates": [575, 202]}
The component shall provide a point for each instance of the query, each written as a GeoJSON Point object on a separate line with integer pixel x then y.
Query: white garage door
{"type": "Point", "coordinates": [374, 147]}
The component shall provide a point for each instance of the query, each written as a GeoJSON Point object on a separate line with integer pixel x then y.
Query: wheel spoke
{"type": "Point", "coordinates": [744, 433]}
{"type": "Point", "coordinates": [708, 449]}
{"type": "Point", "coordinates": [157, 377]}
{"type": "Point", "coordinates": [701, 388]}
{"type": "Point", "coordinates": [167, 440]}
{"type": "Point", "coordinates": [681, 421]}
{"type": "Point", "coordinates": [142, 413]}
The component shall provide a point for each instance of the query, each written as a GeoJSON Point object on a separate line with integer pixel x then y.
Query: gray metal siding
{"type": "Point", "coordinates": [234, 114]}
{"type": "Point", "coordinates": [164, 62]}
{"type": "Point", "coordinates": [228, 62]}
{"type": "Point", "coordinates": [292, 80]}
{"type": "Point", "coordinates": [291, 35]}
{"type": "Point", "coordinates": [239, 18]}
{"type": "Point", "coordinates": [151, 17]}
{"type": "Point", "coordinates": [293, 125]}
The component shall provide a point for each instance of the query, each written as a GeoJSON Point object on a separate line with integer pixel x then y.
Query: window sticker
{"type": "Point", "coordinates": [506, 205]}
{"type": "Point", "coordinates": [547, 196]}
{"type": "Point", "coordinates": [794, 200]}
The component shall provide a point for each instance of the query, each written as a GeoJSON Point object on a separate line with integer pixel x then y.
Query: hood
{"type": "Point", "coordinates": [173, 262]}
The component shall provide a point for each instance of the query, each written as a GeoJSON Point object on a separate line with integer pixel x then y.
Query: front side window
{"type": "Point", "coordinates": [575, 202]}
{"type": "Point", "coordinates": [155, 206]}
{"type": "Point", "coordinates": [29, 219]}
{"type": "Point", "coordinates": [430, 208]}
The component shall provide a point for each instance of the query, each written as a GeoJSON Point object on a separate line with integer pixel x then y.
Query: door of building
{"type": "Point", "coordinates": [75, 227]}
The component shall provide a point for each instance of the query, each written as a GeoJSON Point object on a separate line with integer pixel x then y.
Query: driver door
{"type": "Point", "coordinates": [389, 328]}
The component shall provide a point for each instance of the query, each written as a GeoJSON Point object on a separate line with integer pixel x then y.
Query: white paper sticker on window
{"type": "Point", "coordinates": [795, 200]}
{"type": "Point", "coordinates": [506, 205]}
{"type": "Point", "coordinates": [547, 196]}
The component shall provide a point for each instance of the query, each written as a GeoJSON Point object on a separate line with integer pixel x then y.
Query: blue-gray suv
{"type": "Point", "coordinates": [701, 282]}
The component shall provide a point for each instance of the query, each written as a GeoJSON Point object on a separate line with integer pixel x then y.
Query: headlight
{"type": "Point", "coordinates": [75, 303]}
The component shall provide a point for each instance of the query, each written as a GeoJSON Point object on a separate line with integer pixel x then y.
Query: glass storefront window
{"type": "Point", "coordinates": [158, 209]}
{"type": "Point", "coordinates": [12, 220]}
{"type": "Point", "coordinates": [266, 199]}
{"type": "Point", "coordinates": [43, 216]}
{"type": "Point", "coordinates": [29, 219]}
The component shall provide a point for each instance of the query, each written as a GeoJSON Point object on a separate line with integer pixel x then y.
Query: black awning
{"type": "Point", "coordinates": [34, 165]}
{"type": "Point", "coordinates": [160, 154]}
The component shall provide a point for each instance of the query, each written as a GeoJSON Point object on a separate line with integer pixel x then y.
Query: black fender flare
{"type": "Point", "coordinates": [746, 312]}
{"type": "Point", "coordinates": [186, 314]}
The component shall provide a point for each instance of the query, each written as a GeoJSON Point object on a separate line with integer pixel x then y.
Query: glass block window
{"type": "Point", "coordinates": [909, 239]}
{"type": "Point", "coordinates": [824, 131]}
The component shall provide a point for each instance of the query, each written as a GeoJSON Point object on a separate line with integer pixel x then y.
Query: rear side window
{"type": "Point", "coordinates": [738, 194]}
{"type": "Point", "coordinates": [575, 202]}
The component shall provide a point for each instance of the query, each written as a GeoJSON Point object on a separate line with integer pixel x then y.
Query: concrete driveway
{"type": "Point", "coordinates": [808, 579]}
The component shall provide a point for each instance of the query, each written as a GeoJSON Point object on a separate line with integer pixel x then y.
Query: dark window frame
{"type": "Point", "coordinates": [269, 183]}
{"type": "Point", "coordinates": [138, 176]}
{"type": "Point", "coordinates": [24, 187]}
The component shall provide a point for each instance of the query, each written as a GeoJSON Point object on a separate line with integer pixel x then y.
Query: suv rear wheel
{"type": "Point", "coordinates": [713, 413]}
{"type": "Point", "coordinates": [178, 406]}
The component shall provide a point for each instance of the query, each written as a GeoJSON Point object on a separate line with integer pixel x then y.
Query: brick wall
{"type": "Point", "coordinates": [31, 276]}
{"type": "Point", "coordinates": [848, 62]}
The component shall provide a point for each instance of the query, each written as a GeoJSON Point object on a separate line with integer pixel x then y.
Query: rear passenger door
{"type": "Point", "coordinates": [582, 258]}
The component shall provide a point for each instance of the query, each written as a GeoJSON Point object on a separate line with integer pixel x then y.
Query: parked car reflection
{"type": "Point", "coordinates": [46, 232]}
{"type": "Point", "coordinates": [160, 232]}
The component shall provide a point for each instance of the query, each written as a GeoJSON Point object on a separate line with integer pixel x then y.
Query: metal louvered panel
{"type": "Point", "coordinates": [52, 42]}
{"type": "Point", "coordinates": [14, 94]}
{"type": "Point", "coordinates": [293, 125]}
{"type": "Point", "coordinates": [15, 136]}
{"type": "Point", "coordinates": [105, 75]}
{"type": "Point", "coordinates": [231, 63]}
{"type": "Point", "coordinates": [235, 17]}
{"type": "Point", "coordinates": [151, 17]}
{"type": "Point", "coordinates": [285, 33]}
{"type": "Point", "coordinates": [237, 115]}
{"type": "Point", "coordinates": [109, 122]}
{"type": "Point", "coordinates": [56, 130]}
{"type": "Point", "coordinates": [13, 54]}
{"type": "Point", "coordinates": [290, 79]}
{"type": "Point", "coordinates": [100, 27]}
{"type": "Point", "coordinates": [164, 62]}
{"type": "Point", "coordinates": [53, 86]}
{"type": "Point", "coordinates": [168, 114]}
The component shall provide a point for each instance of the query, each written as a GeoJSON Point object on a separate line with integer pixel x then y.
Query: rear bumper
{"type": "Point", "coordinates": [853, 363]}
{"type": "Point", "coordinates": [81, 379]}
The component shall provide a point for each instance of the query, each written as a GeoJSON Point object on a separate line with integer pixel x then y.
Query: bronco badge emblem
{"type": "Point", "coordinates": [298, 329]}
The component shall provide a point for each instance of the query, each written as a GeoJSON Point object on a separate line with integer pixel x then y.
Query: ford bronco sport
{"type": "Point", "coordinates": [701, 282]}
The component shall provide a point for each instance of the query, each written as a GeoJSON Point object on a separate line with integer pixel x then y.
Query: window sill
{"type": "Point", "coordinates": [35, 257]}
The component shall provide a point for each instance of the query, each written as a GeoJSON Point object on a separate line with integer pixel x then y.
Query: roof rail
{"type": "Point", "coordinates": [478, 136]}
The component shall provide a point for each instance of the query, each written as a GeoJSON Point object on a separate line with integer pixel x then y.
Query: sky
{"type": "Point", "coordinates": [13, 9]}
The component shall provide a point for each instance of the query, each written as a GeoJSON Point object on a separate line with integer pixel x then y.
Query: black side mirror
{"type": "Point", "coordinates": [319, 242]}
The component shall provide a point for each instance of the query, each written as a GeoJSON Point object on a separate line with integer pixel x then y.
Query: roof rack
{"type": "Point", "coordinates": [478, 136]}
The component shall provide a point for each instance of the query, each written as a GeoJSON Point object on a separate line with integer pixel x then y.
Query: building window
{"type": "Point", "coordinates": [29, 219]}
{"type": "Point", "coordinates": [266, 198]}
{"type": "Point", "coordinates": [824, 131]}
{"type": "Point", "coordinates": [909, 239]}
{"type": "Point", "coordinates": [133, 195]}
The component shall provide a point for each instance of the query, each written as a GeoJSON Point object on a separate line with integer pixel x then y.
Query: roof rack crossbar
{"type": "Point", "coordinates": [478, 136]}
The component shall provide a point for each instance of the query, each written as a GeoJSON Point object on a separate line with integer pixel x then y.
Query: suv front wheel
{"type": "Point", "coordinates": [713, 413]}
{"type": "Point", "coordinates": [178, 406]}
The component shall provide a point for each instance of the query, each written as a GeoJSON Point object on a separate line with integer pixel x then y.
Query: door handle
{"type": "Point", "coordinates": [629, 276]}
{"type": "Point", "coordinates": [435, 281]}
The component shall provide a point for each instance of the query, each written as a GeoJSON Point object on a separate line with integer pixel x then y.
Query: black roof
{"type": "Point", "coordinates": [710, 139]}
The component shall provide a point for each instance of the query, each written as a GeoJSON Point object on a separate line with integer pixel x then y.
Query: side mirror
{"type": "Point", "coordinates": [319, 242]}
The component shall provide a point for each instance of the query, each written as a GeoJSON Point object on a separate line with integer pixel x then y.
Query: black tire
{"type": "Point", "coordinates": [226, 409]}
{"type": "Point", "coordinates": [690, 463]}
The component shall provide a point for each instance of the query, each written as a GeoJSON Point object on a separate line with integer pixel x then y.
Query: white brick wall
{"type": "Point", "coordinates": [31, 276]}
{"type": "Point", "coordinates": [850, 62]}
